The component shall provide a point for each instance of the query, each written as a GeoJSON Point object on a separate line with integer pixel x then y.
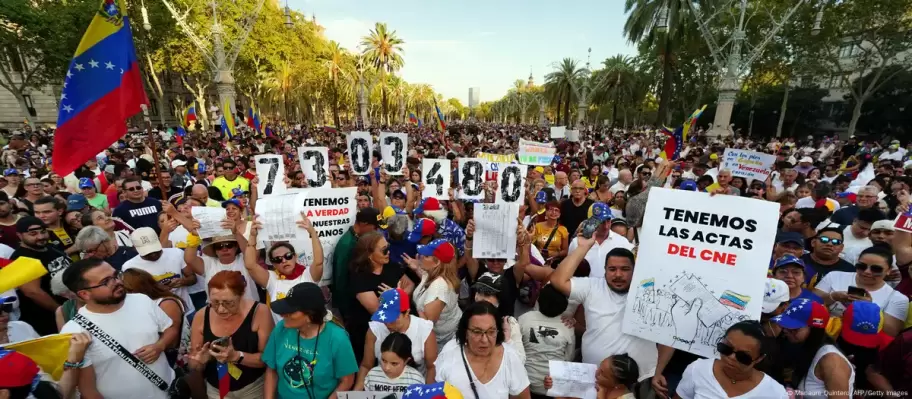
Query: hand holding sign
{"type": "Point", "coordinates": [271, 170]}
{"type": "Point", "coordinates": [511, 180]}
{"type": "Point", "coordinates": [315, 165]}
{"type": "Point", "coordinates": [360, 149]}
{"type": "Point", "coordinates": [393, 148]}
{"type": "Point", "coordinates": [436, 178]}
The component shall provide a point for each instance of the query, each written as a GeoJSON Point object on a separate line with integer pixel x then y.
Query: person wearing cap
{"type": "Point", "coordinates": [838, 289]}
{"type": "Point", "coordinates": [393, 316]}
{"type": "Point", "coordinates": [220, 253]}
{"type": "Point", "coordinates": [166, 265]}
{"type": "Point", "coordinates": [307, 357]}
{"type": "Point", "coordinates": [860, 337]}
{"type": "Point", "coordinates": [447, 229]}
{"type": "Point", "coordinates": [775, 300]}
{"type": "Point", "coordinates": [20, 376]}
{"type": "Point", "coordinates": [366, 221]}
{"type": "Point", "coordinates": [36, 302]}
{"type": "Point", "coordinates": [435, 295]}
{"type": "Point", "coordinates": [287, 268]}
{"type": "Point", "coordinates": [90, 192]}
{"type": "Point", "coordinates": [181, 178]}
{"type": "Point", "coordinates": [819, 366]}
{"type": "Point", "coordinates": [881, 232]}
{"type": "Point", "coordinates": [605, 240]}
{"type": "Point", "coordinates": [793, 272]}
{"type": "Point", "coordinates": [13, 180]}
{"type": "Point", "coordinates": [551, 239]}
{"type": "Point", "coordinates": [604, 299]}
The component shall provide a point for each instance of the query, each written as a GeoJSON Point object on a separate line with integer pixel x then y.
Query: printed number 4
{"type": "Point", "coordinates": [271, 176]}
{"type": "Point", "coordinates": [434, 177]}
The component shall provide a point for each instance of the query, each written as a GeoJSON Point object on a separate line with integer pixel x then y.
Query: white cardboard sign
{"type": "Point", "coordinates": [393, 150]}
{"type": "Point", "coordinates": [315, 165]}
{"type": "Point", "coordinates": [270, 170]}
{"type": "Point", "coordinates": [435, 173]}
{"type": "Point", "coordinates": [751, 165]}
{"type": "Point", "coordinates": [510, 179]}
{"type": "Point", "coordinates": [360, 150]}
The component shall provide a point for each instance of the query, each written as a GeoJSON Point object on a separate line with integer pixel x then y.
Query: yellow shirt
{"type": "Point", "coordinates": [541, 234]}
{"type": "Point", "coordinates": [549, 179]}
{"type": "Point", "coordinates": [225, 186]}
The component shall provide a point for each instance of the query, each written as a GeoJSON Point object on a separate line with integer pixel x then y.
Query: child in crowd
{"type": "Point", "coordinates": [396, 371]}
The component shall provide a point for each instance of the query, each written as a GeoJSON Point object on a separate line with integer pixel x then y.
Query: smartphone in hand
{"type": "Point", "coordinates": [588, 227]}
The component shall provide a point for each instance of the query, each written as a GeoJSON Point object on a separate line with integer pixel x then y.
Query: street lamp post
{"type": "Point", "coordinates": [583, 92]}
{"type": "Point", "coordinates": [734, 65]}
{"type": "Point", "coordinates": [220, 61]}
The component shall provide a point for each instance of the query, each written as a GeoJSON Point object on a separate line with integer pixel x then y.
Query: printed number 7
{"type": "Point", "coordinates": [270, 178]}
{"type": "Point", "coordinates": [438, 180]}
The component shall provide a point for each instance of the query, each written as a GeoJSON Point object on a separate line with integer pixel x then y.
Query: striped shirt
{"type": "Point", "coordinates": [377, 381]}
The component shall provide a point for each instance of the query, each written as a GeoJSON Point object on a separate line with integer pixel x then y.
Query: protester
{"type": "Point", "coordinates": [435, 296]}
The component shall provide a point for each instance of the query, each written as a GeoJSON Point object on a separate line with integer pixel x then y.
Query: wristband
{"type": "Point", "coordinates": [67, 365]}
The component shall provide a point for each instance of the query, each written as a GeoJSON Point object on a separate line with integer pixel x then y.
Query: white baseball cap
{"type": "Point", "coordinates": [145, 241]}
{"type": "Point", "coordinates": [775, 294]}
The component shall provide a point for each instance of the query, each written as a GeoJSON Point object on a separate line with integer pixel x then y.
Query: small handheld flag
{"type": "Point", "coordinates": [440, 123]}
{"type": "Point", "coordinates": [412, 118]}
{"type": "Point", "coordinates": [673, 144]}
{"type": "Point", "coordinates": [102, 89]}
{"type": "Point", "coordinates": [189, 116]}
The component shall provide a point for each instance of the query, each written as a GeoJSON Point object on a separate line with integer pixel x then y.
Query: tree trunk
{"type": "Point", "coordinates": [560, 101]}
{"type": "Point", "coordinates": [567, 109]}
{"type": "Point", "coordinates": [665, 94]}
{"type": "Point", "coordinates": [335, 106]}
{"type": "Point", "coordinates": [617, 99]}
{"type": "Point", "coordinates": [782, 108]}
{"type": "Point", "coordinates": [856, 114]}
{"type": "Point", "coordinates": [24, 107]}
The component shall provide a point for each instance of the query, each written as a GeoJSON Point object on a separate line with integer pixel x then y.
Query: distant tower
{"type": "Point", "coordinates": [531, 82]}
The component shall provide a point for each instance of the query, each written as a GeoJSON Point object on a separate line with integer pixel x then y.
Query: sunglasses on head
{"type": "Point", "coordinates": [280, 258]}
{"type": "Point", "coordinates": [727, 350]}
{"type": "Point", "coordinates": [223, 245]}
{"type": "Point", "coordinates": [875, 269]}
{"type": "Point", "coordinates": [828, 240]}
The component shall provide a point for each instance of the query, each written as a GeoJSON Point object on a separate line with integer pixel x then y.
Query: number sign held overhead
{"type": "Point", "coordinates": [471, 178]}
{"type": "Point", "coordinates": [315, 165]}
{"type": "Point", "coordinates": [393, 150]}
{"type": "Point", "coordinates": [510, 183]}
{"type": "Point", "coordinates": [271, 173]}
{"type": "Point", "coordinates": [435, 173]}
{"type": "Point", "coordinates": [360, 148]}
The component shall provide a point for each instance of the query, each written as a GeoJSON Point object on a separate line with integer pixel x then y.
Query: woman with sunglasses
{"type": "Point", "coordinates": [818, 367]}
{"type": "Point", "coordinates": [839, 289]}
{"type": "Point", "coordinates": [287, 272]}
{"type": "Point", "coordinates": [735, 373]}
{"type": "Point", "coordinates": [219, 253]}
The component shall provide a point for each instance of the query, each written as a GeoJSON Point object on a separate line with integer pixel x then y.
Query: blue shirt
{"type": "Point", "coordinates": [334, 355]}
{"type": "Point", "coordinates": [143, 214]}
{"type": "Point", "coordinates": [450, 231]}
{"type": "Point", "coordinates": [808, 294]}
{"type": "Point", "coordinates": [402, 247]}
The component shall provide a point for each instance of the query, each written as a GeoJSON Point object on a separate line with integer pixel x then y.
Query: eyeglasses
{"type": "Point", "coordinates": [875, 269]}
{"type": "Point", "coordinates": [828, 240]}
{"type": "Point", "coordinates": [741, 356]}
{"type": "Point", "coordinates": [280, 258]}
{"type": "Point", "coordinates": [106, 282]}
{"type": "Point", "coordinates": [223, 245]}
{"type": "Point", "coordinates": [229, 304]}
{"type": "Point", "coordinates": [6, 308]}
{"type": "Point", "coordinates": [479, 334]}
{"type": "Point", "coordinates": [133, 188]}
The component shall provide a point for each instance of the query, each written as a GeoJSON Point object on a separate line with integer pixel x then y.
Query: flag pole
{"type": "Point", "coordinates": [157, 163]}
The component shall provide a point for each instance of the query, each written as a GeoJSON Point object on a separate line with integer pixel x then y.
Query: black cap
{"type": "Point", "coordinates": [368, 216]}
{"type": "Point", "coordinates": [489, 283]}
{"type": "Point", "coordinates": [304, 296]}
{"type": "Point", "coordinates": [27, 222]}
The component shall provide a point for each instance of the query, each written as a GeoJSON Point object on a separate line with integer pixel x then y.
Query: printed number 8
{"type": "Point", "coordinates": [270, 178]}
{"type": "Point", "coordinates": [471, 173]}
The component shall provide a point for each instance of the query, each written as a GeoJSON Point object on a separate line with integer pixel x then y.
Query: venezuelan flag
{"type": "Point", "coordinates": [180, 135]}
{"type": "Point", "coordinates": [691, 122]}
{"type": "Point", "coordinates": [673, 144]}
{"type": "Point", "coordinates": [102, 89]}
{"type": "Point", "coordinates": [228, 126]}
{"type": "Point", "coordinates": [249, 117]}
{"type": "Point", "coordinates": [224, 380]}
{"type": "Point", "coordinates": [257, 125]}
{"type": "Point", "coordinates": [268, 131]}
{"type": "Point", "coordinates": [440, 123]}
{"type": "Point", "coordinates": [413, 119]}
{"type": "Point", "coordinates": [189, 115]}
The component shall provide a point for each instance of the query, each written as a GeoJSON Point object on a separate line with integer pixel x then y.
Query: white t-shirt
{"type": "Point", "coordinates": [815, 388]}
{"type": "Point", "coordinates": [850, 241]}
{"type": "Point", "coordinates": [699, 382]}
{"type": "Point", "coordinates": [179, 235]}
{"type": "Point", "coordinates": [604, 317]}
{"type": "Point", "coordinates": [277, 288]}
{"type": "Point", "coordinates": [168, 267]}
{"type": "Point", "coordinates": [544, 338]}
{"type": "Point", "coordinates": [445, 327]}
{"type": "Point", "coordinates": [418, 331]}
{"type": "Point", "coordinates": [511, 378]}
{"type": "Point", "coordinates": [20, 331]}
{"type": "Point", "coordinates": [136, 324]}
{"type": "Point", "coordinates": [211, 266]}
{"type": "Point", "coordinates": [619, 186]}
{"type": "Point", "coordinates": [377, 381]}
{"type": "Point", "coordinates": [893, 302]}
{"type": "Point", "coordinates": [596, 254]}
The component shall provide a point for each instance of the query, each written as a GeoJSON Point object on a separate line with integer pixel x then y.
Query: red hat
{"type": "Point", "coordinates": [439, 248]}
{"type": "Point", "coordinates": [16, 369]}
{"type": "Point", "coordinates": [862, 323]}
{"type": "Point", "coordinates": [803, 312]}
{"type": "Point", "coordinates": [428, 204]}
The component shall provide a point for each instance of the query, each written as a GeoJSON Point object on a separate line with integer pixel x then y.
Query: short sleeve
{"type": "Point", "coordinates": [826, 283]}
{"type": "Point", "coordinates": [580, 287]}
{"type": "Point", "coordinates": [344, 362]}
{"type": "Point", "coordinates": [687, 387]}
{"type": "Point", "coordinates": [269, 351]}
{"type": "Point", "coordinates": [898, 306]}
{"type": "Point", "coordinates": [162, 320]}
{"type": "Point", "coordinates": [437, 290]}
{"type": "Point", "coordinates": [519, 379]}
{"type": "Point", "coordinates": [562, 233]}
{"type": "Point", "coordinates": [360, 284]}
{"type": "Point", "coordinates": [71, 327]}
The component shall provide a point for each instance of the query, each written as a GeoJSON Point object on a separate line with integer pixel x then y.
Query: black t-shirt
{"type": "Point", "coordinates": [370, 282]}
{"type": "Point", "coordinates": [157, 194]}
{"type": "Point", "coordinates": [508, 294]}
{"type": "Point", "coordinates": [572, 215]}
{"type": "Point", "coordinates": [821, 270]}
{"type": "Point", "coordinates": [55, 261]}
{"type": "Point", "coordinates": [143, 214]}
{"type": "Point", "coordinates": [121, 256]}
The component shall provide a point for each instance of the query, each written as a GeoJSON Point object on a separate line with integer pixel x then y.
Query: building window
{"type": "Point", "coordinates": [15, 59]}
{"type": "Point", "coordinates": [29, 105]}
{"type": "Point", "coordinates": [154, 108]}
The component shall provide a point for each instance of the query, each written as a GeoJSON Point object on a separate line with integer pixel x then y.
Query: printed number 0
{"type": "Point", "coordinates": [511, 193]}
{"type": "Point", "coordinates": [471, 178]}
{"type": "Point", "coordinates": [359, 153]}
{"type": "Point", "coordinates": [317, 168]}
{"type": "Point", "coordinates": [270, 178]}
{"type": "Point", "coordinates": [438, 180]}
{"type": "Point", "coordinates": [397, 153]}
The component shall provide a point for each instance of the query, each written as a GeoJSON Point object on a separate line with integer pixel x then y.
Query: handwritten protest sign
{"type": "Point", "coordinates": [751, 165]}
{"type": "Point", "coordinates": [558, 132]}
{"type": "Point", "coordinates": [491, 168]}
{"type": "Point", "coordinates": [535, 153]}
{"type": "Point", "coordinates": [315, 165]}
{"type": "Point", "coordinates": [573, 135]}
{"type": "Point", "coordinates": [210, 220]}
{"type": "Point", "coordinates": [277, 213]}
{"type": "Point", "coordinates": [700, 269]}
{"type": "Point", "coordinates": [393, 149]}
{"type": "Point", "coordinates": [571, 380]}
{"type": "Point", "coordinates": [270, 170]}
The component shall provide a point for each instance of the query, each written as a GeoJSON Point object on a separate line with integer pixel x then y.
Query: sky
{"type": "Point", "coordinates": [455, 45]}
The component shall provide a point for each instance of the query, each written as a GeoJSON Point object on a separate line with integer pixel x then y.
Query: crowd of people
{"type": "Point", "coordinates": [402, 306]}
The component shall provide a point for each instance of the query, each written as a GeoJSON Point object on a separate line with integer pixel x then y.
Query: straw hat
{"type": "Point", "coordinates": [209, 249]}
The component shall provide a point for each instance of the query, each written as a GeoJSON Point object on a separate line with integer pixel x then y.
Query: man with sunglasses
{"type": "Point", "coordinates": [824, 256]}
{"type": "Point", "coordinates": [137, 210]}
{"type": "Point", "coordinates": [36, 302]}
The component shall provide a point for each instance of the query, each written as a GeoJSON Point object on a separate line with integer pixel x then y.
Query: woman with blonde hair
{"type": "Point", "coordinates": [436, 297]}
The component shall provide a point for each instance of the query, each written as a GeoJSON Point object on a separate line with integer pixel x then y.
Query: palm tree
{"type": "Point", "coordinates": [614, 80]}
{"type": "Point", "coordinates": [336, 66]}
{"type": "Point", "coordinates": [661, 22]}
{"type": "Point", "coordinates": [383, 50]}
{"type": "Point", "coordinates": [562, 80]}
{"type": "Point", "coordinates": [281, 82]}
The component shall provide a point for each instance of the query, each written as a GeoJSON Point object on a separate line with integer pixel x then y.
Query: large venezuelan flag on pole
{"type": "Point", "coordinates": [440, 123]}
{"type": "Point", "coordinates": [189, 115]}
{"type": "Point", "coordinates": [102, 89]}
{"type": "Point", "coordinates": [673, 144]}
